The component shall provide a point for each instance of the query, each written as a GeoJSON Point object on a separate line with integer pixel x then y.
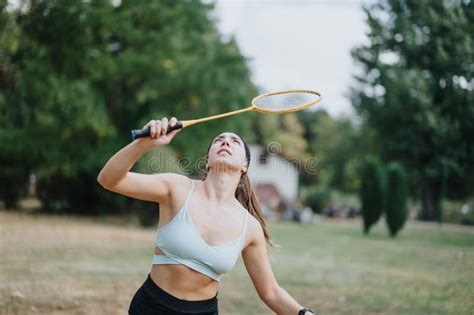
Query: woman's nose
{"type": "Point", "coordinates": [225, 142]}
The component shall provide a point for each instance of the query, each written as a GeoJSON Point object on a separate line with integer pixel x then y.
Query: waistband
{"type": "Point", "coordinates": [178, 304]}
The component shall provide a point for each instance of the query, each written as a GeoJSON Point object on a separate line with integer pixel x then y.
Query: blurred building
{"type": "Point", "coordinates": [274, 180]}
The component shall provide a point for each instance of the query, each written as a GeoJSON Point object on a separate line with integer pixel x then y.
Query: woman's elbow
{"type": "Point", "coordinates": [270, 295]}
{"type": "Point", "coordinates": [101, 181]}
{"type": "Point", "coordinates": [104, 181]}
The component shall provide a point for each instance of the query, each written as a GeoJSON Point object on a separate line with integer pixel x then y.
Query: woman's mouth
{"type": "Point", "coordinates": [224, 150]}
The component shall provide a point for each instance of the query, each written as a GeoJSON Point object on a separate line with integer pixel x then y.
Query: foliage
{"type": "Point", "coordinates": [316, 197]}
{"type": "Point", "coordinates": [339, 147]}
{"type": "Point", "coordinates": [284, 130]}
{"type": "Point", "coordinates": [459, 212]}
{"type": "Point", "coordinates": [76, 76]}
{"type": "Point", "coordinates": [396, 198]}
{"type": "Point", "coordinates": [416, 90]}
{"type": "Point", "coordinates": [372, 192]}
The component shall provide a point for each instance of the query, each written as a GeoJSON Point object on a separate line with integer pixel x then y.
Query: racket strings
{"type": "Point", "coordinates": [287, 101]}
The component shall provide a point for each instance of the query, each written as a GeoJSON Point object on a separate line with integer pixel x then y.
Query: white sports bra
{"type": "Point", "coordinates": [181, 243]}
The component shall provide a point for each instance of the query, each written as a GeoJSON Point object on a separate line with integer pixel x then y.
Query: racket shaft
{"type": "Point", "coordinates": [145, 132]}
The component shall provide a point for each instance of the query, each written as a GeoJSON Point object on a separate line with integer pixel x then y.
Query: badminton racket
{"type": "Point", "coordinates": [278, 102]}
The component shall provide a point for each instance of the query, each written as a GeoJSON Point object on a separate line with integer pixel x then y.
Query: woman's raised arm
{"type": "Point", "coordinates": [116, 176]}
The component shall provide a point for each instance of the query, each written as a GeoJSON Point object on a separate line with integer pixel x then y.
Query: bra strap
{"type": "Point", "coordinates": [189, 194]}
{"type": "Point", "coordinates": [246, 219]}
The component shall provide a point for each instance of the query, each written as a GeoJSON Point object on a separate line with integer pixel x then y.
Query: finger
{"type": "Point", "coordinates": [148, 124]}
{"type": "Point", "coordinates": [151, 124]}
{"type": "Point", "coordinates": [158, 128]}
{"type": "Point", "coordinates": [164, 125]}
{"type": "Point", "coordinates": [173, 121]}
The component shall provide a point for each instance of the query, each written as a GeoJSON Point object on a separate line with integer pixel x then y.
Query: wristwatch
{"type": "Point", "coordinates": [304, 310]}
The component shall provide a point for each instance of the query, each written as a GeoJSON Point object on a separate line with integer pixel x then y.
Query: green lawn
{"type": "Point", "coordinates": [54, 265]}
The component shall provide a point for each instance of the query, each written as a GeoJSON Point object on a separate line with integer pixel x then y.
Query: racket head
{"type": "Point", "coordinates": [285, 101]}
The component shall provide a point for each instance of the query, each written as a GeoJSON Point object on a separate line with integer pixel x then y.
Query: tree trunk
{"type": "Point", "coordinates": [430, 201]}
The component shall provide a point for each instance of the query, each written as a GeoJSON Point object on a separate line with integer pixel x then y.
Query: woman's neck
{"type": "Point", "coordinates": [220, 187]}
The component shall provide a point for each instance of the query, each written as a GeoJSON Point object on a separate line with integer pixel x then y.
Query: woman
{"type": "Point", "coordinates": [203, 227]}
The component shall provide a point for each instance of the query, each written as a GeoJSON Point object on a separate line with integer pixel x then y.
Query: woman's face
{"type": "Point", "coordinates": [227, 153]}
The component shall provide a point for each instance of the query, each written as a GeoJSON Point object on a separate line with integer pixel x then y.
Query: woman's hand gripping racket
{"type": "Point", "coordinates": [278, 102]}
{"type": "Point", "coordinates": [160, 133]}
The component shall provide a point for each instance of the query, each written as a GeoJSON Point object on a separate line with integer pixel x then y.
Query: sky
{"type": "Point", "coordinates": [298, 44]}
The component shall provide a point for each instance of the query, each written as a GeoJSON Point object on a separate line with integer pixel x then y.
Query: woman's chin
{"type": "Point", "coordinates": [223, 165]}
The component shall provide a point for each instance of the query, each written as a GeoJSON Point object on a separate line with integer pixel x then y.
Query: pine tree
{"type": "Point", "coordinates": [372, 192]}
{"type": "Point", "coordinates": [396, 200]}
{"type": "Point", "coordinates": [416, 90]}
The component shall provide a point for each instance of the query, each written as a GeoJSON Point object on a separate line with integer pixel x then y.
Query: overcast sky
{"type": "Point", "coordinates": [297, 44]}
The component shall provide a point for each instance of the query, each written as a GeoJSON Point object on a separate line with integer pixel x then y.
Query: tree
{"type": "Point", "coordinates": [285, 132]}
{"type": "Point", "coordinates": [372, 192]}
{"type": "Point", "coordinates": [339, 147]}
{"type": "Point", "coordinates": [396, 200]}
{"type": "Point", "coordinates": [81, 74]}
{"type": "Point", "coordinates": [15, 158]}
{"type": "Point", "coordinates": [416, 89]}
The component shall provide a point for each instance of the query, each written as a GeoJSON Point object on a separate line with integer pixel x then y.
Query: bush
{"type": "Point", "coordinates": [147, 212]}
{"type": "Point", "coordinates": [459, 212]}
{"type": "Point", "coordinates": [80, 194]}
{"type": "Point", "coordinates": [316, 197]}
{"type": "Point", "coordinates": [13, 185]}
{"type": "Point", "coordinates": [396, 200]}
{"type": "Point", "coordinates": [372, 192]}
{"type": "Point", "coordinates": [16, 159]}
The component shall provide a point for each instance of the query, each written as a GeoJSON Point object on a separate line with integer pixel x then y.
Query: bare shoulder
{"type": "Point", "coordinates": [179, 186]}
{"type": "Point", "coordinates": [254, 231]}
{"type": "Point", "coordinates": [173, 179]}
{"type": "Point", "coordinates": [174, 183]}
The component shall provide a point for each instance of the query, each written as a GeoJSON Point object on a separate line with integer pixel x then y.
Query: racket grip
{"type": "Point", "coordinates": [145, 132]}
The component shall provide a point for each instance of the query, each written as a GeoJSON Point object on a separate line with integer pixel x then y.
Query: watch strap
{"type": "Point", "coordinates": [304, 310]}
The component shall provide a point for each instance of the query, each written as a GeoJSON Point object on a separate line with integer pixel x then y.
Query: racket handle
{"type": "Point", "coordinates": [145, 132]}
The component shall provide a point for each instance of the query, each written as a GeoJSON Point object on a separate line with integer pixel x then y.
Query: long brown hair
{"type": "Point", "coordinates": [247, 197]}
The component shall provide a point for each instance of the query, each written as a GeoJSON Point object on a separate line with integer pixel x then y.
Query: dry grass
{"type": "Point", "coordinates": [60, 265]}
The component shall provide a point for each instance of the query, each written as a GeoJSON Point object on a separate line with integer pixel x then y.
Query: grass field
{"type": "Point", "coordinates": [59, 265]}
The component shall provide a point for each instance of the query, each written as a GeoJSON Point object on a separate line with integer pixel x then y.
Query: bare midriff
{"type": "Point", "coordinates": [183, 282]}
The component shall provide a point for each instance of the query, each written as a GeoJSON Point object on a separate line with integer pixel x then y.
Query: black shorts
{"type": "Point", "coordinates": [150, 299]}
